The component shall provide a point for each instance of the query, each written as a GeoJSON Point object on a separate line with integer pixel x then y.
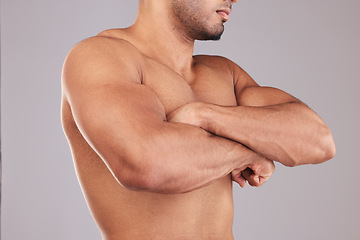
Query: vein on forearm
{"type": "Point", "coordinates": [281, 132]}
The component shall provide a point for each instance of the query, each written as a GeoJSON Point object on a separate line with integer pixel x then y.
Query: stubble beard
{"type": "Point", "coordinates": [200, 33]}
{"type": "Point", "coordinates": [190, 20]}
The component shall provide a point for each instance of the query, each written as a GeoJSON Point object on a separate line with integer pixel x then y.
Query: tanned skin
{"type": "Point", "coordinates": [158, 135]}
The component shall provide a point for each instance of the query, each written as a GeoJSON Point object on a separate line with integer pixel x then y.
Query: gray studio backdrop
{"type": "Point", "coordinates": [308, 48]}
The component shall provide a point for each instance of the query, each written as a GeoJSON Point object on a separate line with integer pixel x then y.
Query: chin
{"type": "Point", "coordinates": [205, 33]}
{"type": "Point", "coordinates": [214, 36]}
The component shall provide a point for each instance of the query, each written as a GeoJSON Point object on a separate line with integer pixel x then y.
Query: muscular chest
{"type": "Point", "coordinates": [205, 85]}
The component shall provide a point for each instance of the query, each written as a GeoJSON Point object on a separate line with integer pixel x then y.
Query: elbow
{"type": "Point", "coordinates": [327, 145]}
{"type": "Point", "coordinates": [140, 174]}
{"type": "Point", "coordinates": [134, 173]}
{"type": "Point", "coordinates": [325, 148]}
{"type": "Point", "coordinates": [320, 150]}
{"type": "Point", "coordinates": [133, 180]}
{"type": "Point", "coordinates": [137, 180]}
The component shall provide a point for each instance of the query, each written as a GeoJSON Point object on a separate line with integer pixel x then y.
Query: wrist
{"type": "Point", "coordinates": [212, 117]}
{"type": "Point", "coordinates": [243, 157]}
{"type": "Point", "coordinates": [204, 115]}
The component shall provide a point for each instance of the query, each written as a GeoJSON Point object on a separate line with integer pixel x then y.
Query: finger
{"type": "Point", "coordinates": [262, 180]}
{"type": "Point", "coordinates": [235, 172]}
{"type": "Point", "coordinates": [241, 181]}
{"type": "Point", "coordinates": [252, 178]}
{"type": "Point", "coordinates": [238, 170]}
{"type": "Point", "coordinates": [238, 178]}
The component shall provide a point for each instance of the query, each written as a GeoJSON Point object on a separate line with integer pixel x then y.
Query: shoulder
{"type": "Point", "coordinates": [103, 48]}
{"type": "Point", "coordinates": [224, 65]}
{"type": "Point", "coordinates": [99, 58]}
{"type": "Point", "coordinates": [216, 66]}
{"type": "Point", "coordinates": [214, 61]}
{"type": "Point", "coordinates": [219, 63]}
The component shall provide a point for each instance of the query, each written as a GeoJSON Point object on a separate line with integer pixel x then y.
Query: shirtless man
{"type": "Point", "coordinates": [158, 135]}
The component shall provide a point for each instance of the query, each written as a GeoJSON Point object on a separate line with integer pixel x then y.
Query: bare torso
{"type": "Point", "coordinates": [206, 213]}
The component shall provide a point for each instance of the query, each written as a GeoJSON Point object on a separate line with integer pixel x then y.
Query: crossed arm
{"type": "Point", "coordinates": [152, 153]}
{"type": "Point", "coordinates": [286, 131]}
{"type": "Point", "coordinates": [125, 124]}
{"type": "Point", "coordinates": [268, 121]}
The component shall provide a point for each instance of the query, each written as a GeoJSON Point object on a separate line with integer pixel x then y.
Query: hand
{"type": "Point", "coordinates": [189, 114]}
{"type": "Point", "coordinates": [256, 173]}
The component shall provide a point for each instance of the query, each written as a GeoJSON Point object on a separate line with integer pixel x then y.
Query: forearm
{"type": "Point", "coordinates": [180, 158]}
{"type": "Point", "coordinates": [289, 133]}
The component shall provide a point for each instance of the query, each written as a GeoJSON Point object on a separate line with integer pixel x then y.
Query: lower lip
{"type": "Point", "coordinates": [224, 15]}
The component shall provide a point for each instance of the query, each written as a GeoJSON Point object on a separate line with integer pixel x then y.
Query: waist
{"type": "Point", "coordinates": [173, 236]}
{"type": "Point", "coordinates": [124, 214]}
{"type": "Point", "coordinates": [206, 213]}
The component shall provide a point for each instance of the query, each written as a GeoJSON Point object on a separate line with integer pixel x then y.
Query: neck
{"type": "Point", "coordinates": [160, 39]}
